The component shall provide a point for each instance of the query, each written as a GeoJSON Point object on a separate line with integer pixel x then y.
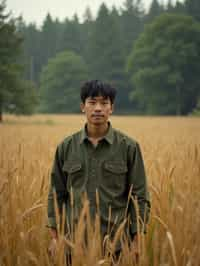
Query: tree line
{"type": "Point", "coordinates": [150, 57]}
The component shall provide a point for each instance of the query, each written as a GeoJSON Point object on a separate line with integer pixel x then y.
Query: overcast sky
{"type": "Point", "coordinates": [36, 10]}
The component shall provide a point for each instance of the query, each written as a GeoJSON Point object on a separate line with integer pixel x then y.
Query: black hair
{"type": "Point", "coordinates": [95, 88]}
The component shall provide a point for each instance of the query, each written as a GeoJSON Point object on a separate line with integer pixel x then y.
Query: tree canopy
{"type": "Point", "coordinates": [164, 65]}
{"type": "Point", "coordinates": [60, 82]}
{"type": "Point", "coordinates": [104, 43]}
{"type": "Point", "coordinates": [12, 86]}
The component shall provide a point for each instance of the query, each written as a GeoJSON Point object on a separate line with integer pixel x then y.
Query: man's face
{"type": "Point", "coordinates": [97, 109]}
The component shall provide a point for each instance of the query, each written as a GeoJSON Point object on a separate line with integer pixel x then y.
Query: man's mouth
{"type": "Point", "coordinates": [97, 115]}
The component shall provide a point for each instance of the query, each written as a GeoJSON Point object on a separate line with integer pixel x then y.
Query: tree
{"type": "Point", "coordinates": [196, 110]}
{"type": "Point", "coordinates": [193, 8]}
{"type": "Point", "coordinates": [88, 15]}
{"type": "Point", "coordinates": [170, 7]}
{"type": "Point", "coordinates": [49, 38]}
{"type": "Point", "coordinates": [10, 44]}
{"type": "Point", "coordinates": [24, 98]}
{"type": "Point", "coordinates": [164, 65]}
{"type": "Point", "coordinates": [106, 53]}
{"type": "Point", "coordinates": [132, 23]}
{"type": "Point", "coordinates": [154, 11]}
{"type": "Point", "coordinates": [31, 55]}
{"type": "Point", "coordinates": [107, 57]}
{"type": "Point", "coordinates": [60, 83]}
{"type": "Point", "coordinates": [71, 38]}
{"type": "Point", "coordinates": [86, 29]}
{"type": "Point", "coordinates": [179, 7]}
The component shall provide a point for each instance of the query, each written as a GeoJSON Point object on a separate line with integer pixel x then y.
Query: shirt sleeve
{"type": "Point", "coordinates": [138, 190]}
{"type": "Point", "coordinates": [57, 189]}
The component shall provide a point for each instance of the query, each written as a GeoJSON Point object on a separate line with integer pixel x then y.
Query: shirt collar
{"type": "Point", "coordinates": [108, 137]}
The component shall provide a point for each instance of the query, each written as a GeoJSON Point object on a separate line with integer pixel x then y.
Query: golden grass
{"type": "Point", "coordinates": [171, 150]}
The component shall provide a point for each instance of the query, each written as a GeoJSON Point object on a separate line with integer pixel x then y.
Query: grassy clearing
{"type": "Point", "coordinates": [171, 149]}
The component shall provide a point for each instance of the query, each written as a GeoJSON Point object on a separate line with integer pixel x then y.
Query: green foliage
{"type": "Point", "coordinates": [131, 21]}
{"type": "Point", "coordinates": [60, 82]}
{"type": "Point", "coordinates": [155, 10]}
{"type": "Point", "coordinates": [16, 95]}
{"type": "Point", "coordinates": [196, 111]}
{"type": "Point", "coordinates": [86, 30]}
{"type": "Point", "coordinates": [71, 37]}
{"type": "Point", "coordinates": [31, 49]}
{"type": "Point", "coordinates": [104, 43]}
{"type": "Point", "coordinates": [23, 98]}
{"type": "Point", "coordinates": [192, 7]}
{"type": "Point", "coordinates": [10, 43]}
{"type": "Point", "coordinates": [164, 65]}
{"type": "Point", "coordinates": [106, 59]}
{"type": "Point", "coordinates": [49, 38]}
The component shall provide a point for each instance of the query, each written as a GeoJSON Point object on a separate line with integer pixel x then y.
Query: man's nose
{"type": "Point", "coordinates": [97, 107]}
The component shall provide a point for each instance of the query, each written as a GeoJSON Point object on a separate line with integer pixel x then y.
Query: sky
{"type": "Point", "coordinates": [36, 10]}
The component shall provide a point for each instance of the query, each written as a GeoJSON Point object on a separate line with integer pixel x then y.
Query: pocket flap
{"type": "Point", "coordinates": [116, 167]}
{"type": "Point", "coordinates": [72, 167]}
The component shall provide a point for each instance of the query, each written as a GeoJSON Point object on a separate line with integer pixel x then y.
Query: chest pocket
{"type": "Point", "coordinates": [114, 176]}
{"type": "Point", "coordinates": [75, 174]}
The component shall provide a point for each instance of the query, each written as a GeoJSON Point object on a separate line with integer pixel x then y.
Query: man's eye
{"type": "Point", "coordinates": [104, 103]}
{"type": "Point", "coordinates": [91, 102]}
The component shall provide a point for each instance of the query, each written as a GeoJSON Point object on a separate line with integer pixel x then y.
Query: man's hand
{"type": "Point", "coordinates": [53, 244]}
{"type": "Point", "coordinates": [52, 248]}
{"type": "Point", "coordinates": [135, 249]}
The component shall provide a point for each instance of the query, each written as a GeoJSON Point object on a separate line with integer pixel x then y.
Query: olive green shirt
{"type": "Point", "coordinates": [114, 168]}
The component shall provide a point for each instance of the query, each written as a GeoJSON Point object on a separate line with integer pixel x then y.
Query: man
{"type": "Point", "coordinates": [99, 160]}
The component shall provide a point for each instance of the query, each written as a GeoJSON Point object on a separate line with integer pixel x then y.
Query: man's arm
{"type": "Point", "coordinates": [57, 188]}
{"type": "Point", "coordinates": [138, 189]}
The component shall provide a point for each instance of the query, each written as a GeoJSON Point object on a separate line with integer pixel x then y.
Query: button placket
{"type": "Point", "coordinates": [93, 182]}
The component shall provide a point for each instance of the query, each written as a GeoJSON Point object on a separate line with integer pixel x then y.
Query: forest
{"type": "Point", "coordinates": [151, 57]}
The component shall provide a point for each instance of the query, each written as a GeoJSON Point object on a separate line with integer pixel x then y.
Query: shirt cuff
{"type": "Point", "coordinates": [51, 223]}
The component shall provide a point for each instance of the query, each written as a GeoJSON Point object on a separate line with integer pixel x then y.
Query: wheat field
{"type": "Point", "coordinates": [171, 151]}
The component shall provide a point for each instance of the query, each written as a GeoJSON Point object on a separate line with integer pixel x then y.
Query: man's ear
{"type": "Point", "coordinates": [112, 108]}
{"type": "Point", "coordinates": [82, 106]}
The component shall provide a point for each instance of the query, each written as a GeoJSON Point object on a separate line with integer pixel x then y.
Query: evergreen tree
{"type": "Point", "coordinates": [170, 7]}
{"type": "Point", "coordinates": [132, 23]}
{"type": "Point", "coordinates": [115, 14]}
{"type": "Point", "coordinates": [155, 10]}
{"type": "Point", "coordinates": [88, 15]}
{"type": "Point", "coordinates": [16, 94]}
{"type": "Point", "coordinates": [71, 39]}
{"type": "Point", "coordinates": [107, 61]}
{"type": "Point", "coordinates": [49, 40]}
{"type": "Point", "coordinates": [86, 33]}
{"type": "Point", "coordinates": [10, 44]}
{"type": "Point", "coordinates": [106, 47]}
{"type": "Point", "coordinates": [30, 51]}
{"type": "Point", "coordinates": [192, 8]}
{"type": "Point", "coordinates": [179, 7]}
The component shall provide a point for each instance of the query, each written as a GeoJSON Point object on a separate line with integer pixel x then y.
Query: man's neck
{"type": "Point", "coordinates": [97, 132]}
